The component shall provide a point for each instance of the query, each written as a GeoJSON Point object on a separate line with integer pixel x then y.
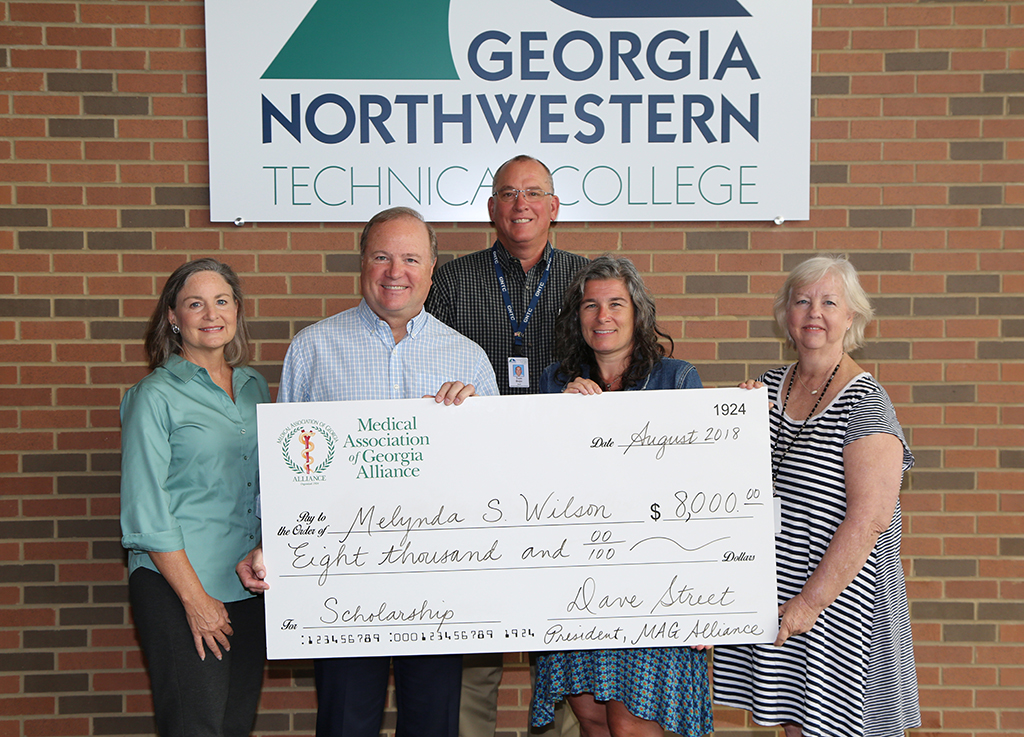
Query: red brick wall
{"type": "Point", "coordinates": [918, 164]}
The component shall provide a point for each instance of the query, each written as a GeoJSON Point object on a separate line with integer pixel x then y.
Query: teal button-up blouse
{"type": "Point", "coordinates": [189, 472]}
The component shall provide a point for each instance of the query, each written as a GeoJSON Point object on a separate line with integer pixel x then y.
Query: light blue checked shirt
{"type": "Point", "coordinates": [353, 355]}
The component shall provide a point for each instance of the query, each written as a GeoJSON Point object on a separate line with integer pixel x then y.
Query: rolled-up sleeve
{"type": "Point", "coordinates": [146, 519]}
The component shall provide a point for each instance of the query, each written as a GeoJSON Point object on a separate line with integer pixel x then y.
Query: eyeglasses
{"type": "Point", "coordinates": [531, 195]}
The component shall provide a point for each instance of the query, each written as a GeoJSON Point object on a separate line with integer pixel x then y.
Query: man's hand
{"type": "Point", "coordinates": [251, 571]}
{"type": "Point", "coordinates": [453, 392]}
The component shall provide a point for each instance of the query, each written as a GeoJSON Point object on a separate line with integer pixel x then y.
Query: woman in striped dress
{"type": "Point", "coordinates": [843, 663]}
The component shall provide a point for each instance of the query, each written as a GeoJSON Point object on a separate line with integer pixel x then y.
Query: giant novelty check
{"type": "Point", "coordinates": [551, 522]}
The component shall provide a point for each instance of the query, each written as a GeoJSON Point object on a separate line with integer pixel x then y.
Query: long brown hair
{"type": "Point", "coordinates": [572, 350]}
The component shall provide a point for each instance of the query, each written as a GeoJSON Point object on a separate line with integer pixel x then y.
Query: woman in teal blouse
{"type": "Point", "coordinates": [188, 506]}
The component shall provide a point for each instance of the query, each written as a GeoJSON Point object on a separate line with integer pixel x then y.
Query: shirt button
{"type": "Point", "coordinates": [243, 431]}
{"type": "Point", "coordinates": [249, 511]}
{"type": "Point", "coordinates": [252, 537]}
{"type": "Point", "coordinates": [249, 484]}
{"type": "Point", "coordinates": [245, 458]}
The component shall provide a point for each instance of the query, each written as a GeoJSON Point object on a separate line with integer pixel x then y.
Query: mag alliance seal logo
{"type": "Point", "coordinates": [307, 448]}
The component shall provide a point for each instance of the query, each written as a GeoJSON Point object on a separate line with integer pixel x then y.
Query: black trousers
{"type": "Point", "coordinates": [351, 693]}
{"type": "Point", "coordinates": [193, 697]}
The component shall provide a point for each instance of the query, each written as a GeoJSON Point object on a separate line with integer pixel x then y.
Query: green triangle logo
{"type": "Point", "coordinates": [380, 39]}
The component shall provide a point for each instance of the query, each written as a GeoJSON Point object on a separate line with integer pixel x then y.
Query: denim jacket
{"type": "Point", "coordinates": [669, 373]}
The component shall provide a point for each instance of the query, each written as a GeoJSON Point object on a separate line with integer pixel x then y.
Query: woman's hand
{"type": "Point", "coordinates": [796, 617]}
{"type": "Point", "coordinates": [210, 625]}
{"type": "Point", "coordinates": [582, 386]}
{"type": "Point", "coordinates": [755, 384]}
{"type": "Point", "coordinates": [206, 616]}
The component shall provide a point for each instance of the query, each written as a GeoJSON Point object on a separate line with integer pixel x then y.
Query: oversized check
{"type": "Point", "coordinates": [550, 522]}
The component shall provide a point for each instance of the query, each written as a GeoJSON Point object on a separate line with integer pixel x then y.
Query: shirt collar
{"type": "Point", "coordinates": [507, 258]}
{"type": "Point", "coordinates": [185, 370]}
{"type": "Point", "coordinates": [373, 323]}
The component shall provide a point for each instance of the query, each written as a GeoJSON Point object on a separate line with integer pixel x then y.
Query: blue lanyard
{"type": "Point", "coordinates": [518, 328]}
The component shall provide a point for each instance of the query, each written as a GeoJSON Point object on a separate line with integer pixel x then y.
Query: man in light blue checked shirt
{"type": "Point", "coordinates": [388, 347]}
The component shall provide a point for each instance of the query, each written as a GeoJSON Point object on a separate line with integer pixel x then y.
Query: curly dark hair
{"type": "Point", "coordinates": [572, 350]}
{"type": "Point", "coordinates": [161, 341]}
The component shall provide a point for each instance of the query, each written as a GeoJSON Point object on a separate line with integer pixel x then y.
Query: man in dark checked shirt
{"type": "Point", "coordinates": [515, 326]}
{"type": "Point", "coordinates": [467, 293]}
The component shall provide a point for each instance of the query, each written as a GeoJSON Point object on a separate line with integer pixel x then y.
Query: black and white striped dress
{"type": "Point", "coordinates": [852, 674]}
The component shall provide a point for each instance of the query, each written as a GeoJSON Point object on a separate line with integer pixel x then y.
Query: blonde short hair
{"type": "Point", "coordinates": [814, 270]}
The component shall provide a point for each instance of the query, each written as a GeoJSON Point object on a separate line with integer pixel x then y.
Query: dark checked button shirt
{"type": "Point", "coordinates": [466, 296]}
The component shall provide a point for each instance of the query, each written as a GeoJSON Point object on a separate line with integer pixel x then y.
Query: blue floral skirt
{"type": "Point", "coordinates": [666, 685]}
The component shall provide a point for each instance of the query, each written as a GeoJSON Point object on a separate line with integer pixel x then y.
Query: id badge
{"type": "Point", "coordinates": [778, 514]}
{"type": "Point", "coordinates": [518, 372]}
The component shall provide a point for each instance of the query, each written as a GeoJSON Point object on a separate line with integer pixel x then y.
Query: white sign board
{"type": "Point", "coordinates": [677, 110]}
{"type": "Point", "coordinates": [632, 519]}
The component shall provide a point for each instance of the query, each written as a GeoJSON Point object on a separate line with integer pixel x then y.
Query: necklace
{"type": "Point", "coordinates": [777, 463]}
{"type": "Point", "coordinates": [611, 382]}
{"type": "Point", "coordinates": [813, 391]}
